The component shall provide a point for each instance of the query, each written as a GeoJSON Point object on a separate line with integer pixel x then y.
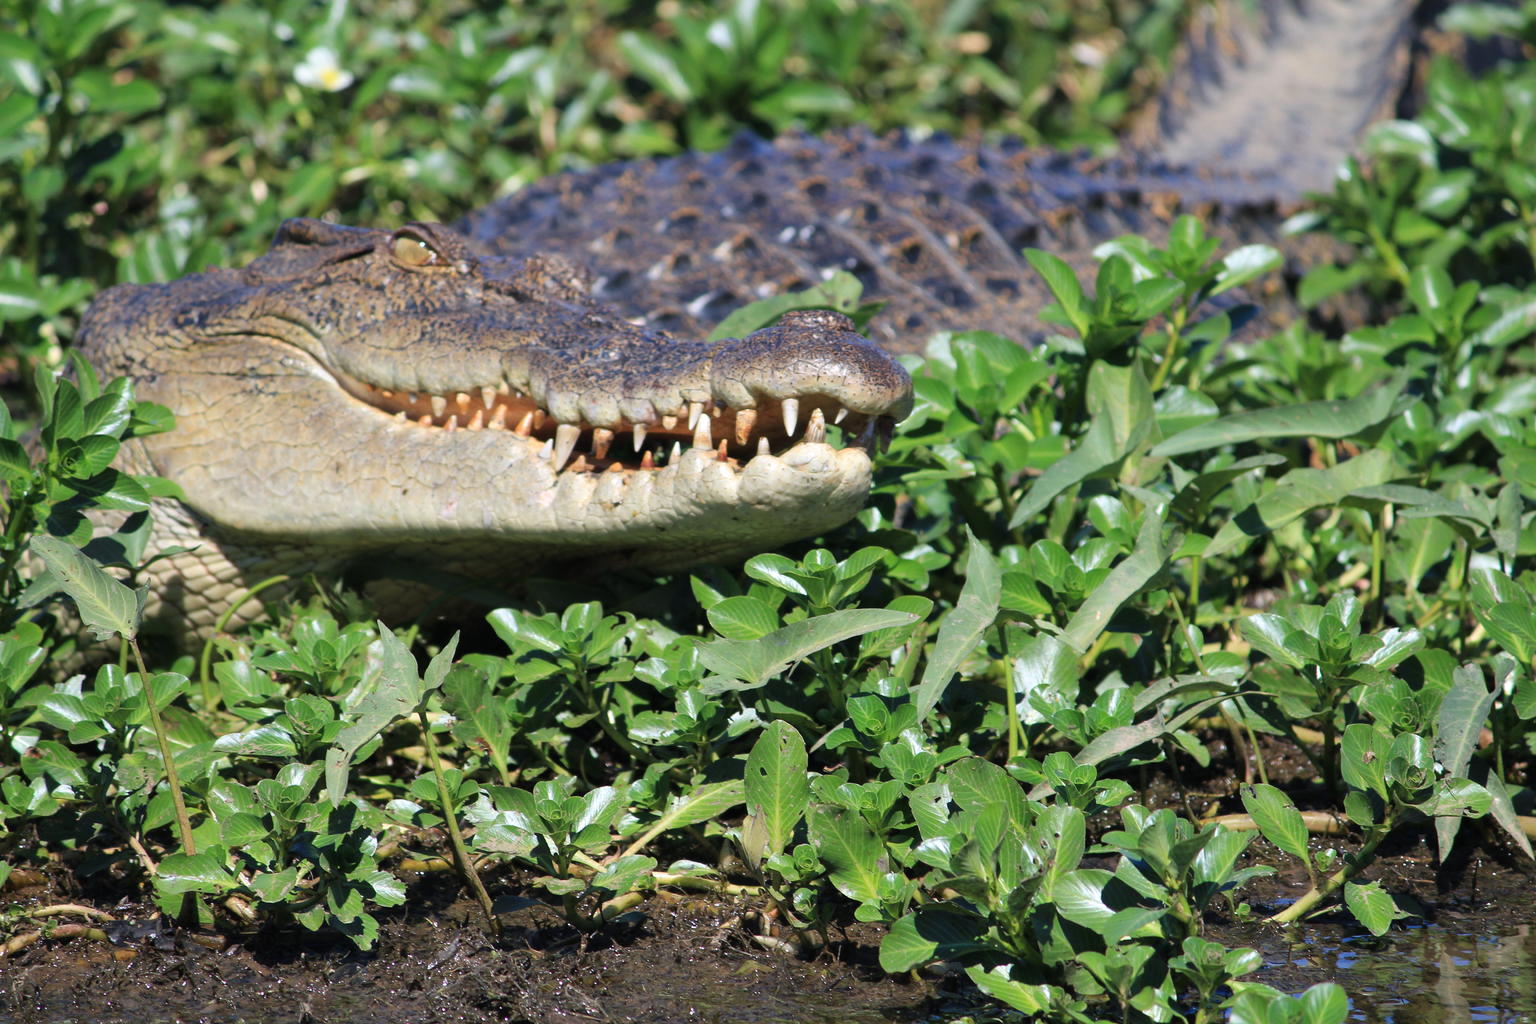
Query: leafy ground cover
{"type": "Point", "coordinates": [933, 730]}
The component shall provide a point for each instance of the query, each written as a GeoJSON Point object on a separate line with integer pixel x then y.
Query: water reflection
{"type": "Point", "coordinates": [1423, 975]}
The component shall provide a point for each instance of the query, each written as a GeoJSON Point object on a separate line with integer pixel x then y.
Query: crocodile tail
{"type": "Point", "coordinates": [1284, 91]}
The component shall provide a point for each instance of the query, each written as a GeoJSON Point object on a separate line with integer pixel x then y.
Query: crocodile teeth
{"type": "Point", "coordinates": [791, 409]}
{"type": "Point", "coordinates": [762, 446]}
{"type": "Point", "coordinates": [476, 421]}
{"type": "Point", "coordinates": [439, 406]}
{"type": "Point", "coordinates": [746, 419]}
{"type": "Point", "coordinates": [548, 449]}
{"type": "Point", "coordinates": [669, 422]}
{"type": "Point", "coordinates": [601, 439]}
{"type": "Point", "coordinates": [639, 435]}
{"type": "Point", "coordinates": [425, 421]}
{"type": "Point", "coordinates": [647, 461]}
{"type": "Point", "coordinates": [720, 451]}
{"type": "Point", "coordinates": [676, 452]}
{"type": "Point", "coordinates": [580, 465]}
{"type": "Point", "coordinates": [842, 414]}
{"type": "Point", "coordinates": [701, 435]}
{"type": "Point", "coordinates": [462, 400]}
{"type": "Point", "coordinates": [695, 410]}
{"type": "Point", "coordinates": [816, 429]}
{"type": "Point", "coordinates": [499, 418]}
{"type": "Point", "coordinates": [487, 397]}
{"type": "Point", "coordinates": [565, 442]}
{"type": "Point", "coordinates": [453, 423]}
{"type": "Point", "coordinates": [524, 426]}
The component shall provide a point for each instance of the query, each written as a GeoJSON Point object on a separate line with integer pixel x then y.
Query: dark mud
{"type": "Point", "coordinates": [1471, 957]}
{"type": "Point", "coordinates": [680, 960]}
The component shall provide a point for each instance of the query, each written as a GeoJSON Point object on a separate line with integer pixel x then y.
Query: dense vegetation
{"type": "Point", "coordinates": [1054, 585]}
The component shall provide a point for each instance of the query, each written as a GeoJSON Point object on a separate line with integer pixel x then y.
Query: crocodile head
{"type": "Point", "coordinates": [359, 391]}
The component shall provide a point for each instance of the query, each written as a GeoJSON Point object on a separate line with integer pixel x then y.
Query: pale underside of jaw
{"type": "Point", "coordinates": [733, 435]}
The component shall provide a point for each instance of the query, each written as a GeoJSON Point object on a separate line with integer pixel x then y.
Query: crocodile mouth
{"type": "Point", "coordinates": [736, 435]}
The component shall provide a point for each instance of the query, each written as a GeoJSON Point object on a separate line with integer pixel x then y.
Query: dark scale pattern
{"type": "Point", "coordinates": [933, 227]}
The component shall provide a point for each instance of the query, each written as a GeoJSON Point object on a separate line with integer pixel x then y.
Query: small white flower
{"type": "Point", "coordinates": [321, 70]}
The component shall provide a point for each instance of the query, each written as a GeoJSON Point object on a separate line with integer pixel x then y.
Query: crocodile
{"type": "Point", "coordinates": [371, 396]}
{"type": "Point", "coordinates": [528, 391]}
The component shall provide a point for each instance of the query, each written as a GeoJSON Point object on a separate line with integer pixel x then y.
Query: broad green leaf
{"type": "Point", "coordinates": [754, 662]}
{"type": "Point", "coordinates": [393, 693]}
{"type": "Point", "coordinates": [106, 605]}
{"type": "Point", "coordinates": [776, 789]}
{"type": "Point", "coordinates": [974, 613]}
{"type": "Point", "coordinates": [1372, 906]}
{"type": "Point", "coordinates": [1062, 281]}
{"type": "Point", "coordinates": [936, 931]}
{"type": "Point", "coordinates": [854, 856]}
{"type": "Point", "coordinates": [1278, 819]}
{"type": "Point", "coordinates": [703, 803]}
{"type": "Point", "coordinates": [201, 872]}
{"type": "Point", "coordinates": [1124, 582]}
{"type": "Point", "coordinates": [1331, 419]}
{"type": "Point", "coordinates": [1030, 999]}
{"type": "Point", "coordinates": [1297, 493]}
{"type": "Point", "coordinates": [1244, 264]}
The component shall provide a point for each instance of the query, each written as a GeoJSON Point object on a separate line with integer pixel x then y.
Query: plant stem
{"type": "Point", "coordinates": [1353, 865]}
{"type": "Point", "coordinates": [183, 821]}
{"type": "Point", "coordinates": [451, 823]}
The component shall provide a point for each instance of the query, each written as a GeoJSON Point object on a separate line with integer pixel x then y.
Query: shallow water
{"type": "Point", "coordinates": [1416, 975]}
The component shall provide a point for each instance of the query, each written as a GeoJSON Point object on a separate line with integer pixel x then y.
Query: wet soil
{"type": "Point", "coordinates": [690, 959]}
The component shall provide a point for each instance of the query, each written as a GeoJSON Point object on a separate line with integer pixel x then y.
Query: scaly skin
{"type": "Point", "coordinates": [371, 396]}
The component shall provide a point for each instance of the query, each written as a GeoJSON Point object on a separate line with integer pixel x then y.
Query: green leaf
{"type": "Point", "coordinates": [935, 931]}
{"type": "Point", "coordinates": [1278, 819]}
{"type": "Point", "coordinates": [777, 791]}
{"type": "Point", "coordinates": [1331, 419]}
{"type": "Point", "coordinates": [395, 692]}
{"type": "Point", "coordinates": [106, 605]}
{"type": "Point", "coordinates": [657, 64]}
{"type": "Point", "coordinates": [975, 611]}
{"type": "Point", "coordinates": [205, 871]}
{"type": "Point", "coordinates": [743, 618]}
{"type": "Point", "coordinates": [1062, 281]}
{"type": "Point", "coordinates": [1244, 264]}
{"type": "Point", "coordinates": [1030, 999]}
{"type": "Point", "coordinates": [1297, 493]}
{"type": "Point", "coordinates": [1372, 906]}
{"type": "Point", "coordinates": [854, 856]}
{"type": "Point", "coordinates": [702, 803]}
{"type": "Point", "coordinates": [1125, 581]}
{"type": "Point", "coordinates": [754, 662]}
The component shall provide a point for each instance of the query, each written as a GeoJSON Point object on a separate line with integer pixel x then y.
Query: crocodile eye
{"type": "Point", "coordinates": [413, 252]}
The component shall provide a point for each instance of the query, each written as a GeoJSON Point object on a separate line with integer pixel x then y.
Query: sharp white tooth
{"type": "Point", "coordinates": [565, 442]}
{"type": "Point", "coordinates": [669, 422]}
{"type": "Point", "coordinates": [746, 419]}
{"type": "Point", "coordinates": [816, 429]}
{"type": "Point", "coordinates": [462, 400]}
{"type": "Point", "coordinates": [453, 423]}
{"type": "Point", "coordinates": [676, 452]}
{"type": "Point", "coordinates": [701, 435]}
{"type": "Point", "coordinates": [842, 414]}
{"type": "Point", "coordinates": [647, 461]}
{"type": "Point", "coordinates": [439, 406]}
{"type": "Point", "coordinates": [498, 417]}
{"type": "Point", "coordinates": [639, 435]}
{"type": "Point", "coordinates": [791, 409]}
{"type": "Point", "coordinates": [503, 388]}
{"type": "Point", "coordinates": [695, 410]}
{"type": "Point", "coordinates": [601, 439]}
{"type": "Point", "coordinates": [477, 420]}
{"type": "Point", "coordinates": [487, 397]}
{"type": "Point", "coordinates": [525, 425]}
{"type": "Point", "coordinates": [762, 446]}
{"type": "Point", "coordinates": [548, 449]}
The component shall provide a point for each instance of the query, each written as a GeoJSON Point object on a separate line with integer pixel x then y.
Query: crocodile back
{"type": "Point", "coordinates": [933, 227]}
